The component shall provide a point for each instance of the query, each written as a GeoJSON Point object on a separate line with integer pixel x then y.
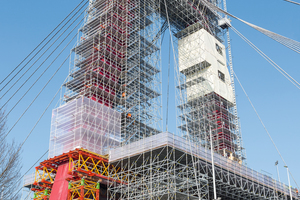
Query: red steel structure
{"type": "Point", "coordinates": [111, 80]}
{"type": "Point", "coordinates": [78, 174]}
{"type": "Point", "coordinates": [106, 140]}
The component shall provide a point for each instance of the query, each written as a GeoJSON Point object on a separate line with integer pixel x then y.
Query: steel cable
{"type": "Point", "coordinates": [276, 66]}
{"type": "Point", "coordinates": [40, 90]}
{"type": "Point", "coordinates": [27, 172]}
{"type": "Point", "coordinates": [35, 123]}
{"type": "Point", "coordinates": [40, 45]}
{"type": "Point", "coordinates": [36, 62]}
{"type": "Point", "coordinates": [264, 126]}
{"type": "Point", "coordinates": [293, 2]}
{"type": "Point", "coordinates": [43, 71]}
{"type": "Point", "coordinates": [291, 44]}
{"type": "Point", "coordinates": [175, 62]}
{"type": "Point", "coordinates": [168, 90]}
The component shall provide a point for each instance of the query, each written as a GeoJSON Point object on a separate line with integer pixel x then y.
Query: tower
{"type": "Point", "coordinates": [208, 90]}
{"type": "Point", "coordinates": [106, 140]}
{"type": "Point", "coordinates": [112, 97]}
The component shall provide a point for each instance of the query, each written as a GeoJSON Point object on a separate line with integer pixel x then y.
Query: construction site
{"type": "Point", "coordinates": [107, 140]}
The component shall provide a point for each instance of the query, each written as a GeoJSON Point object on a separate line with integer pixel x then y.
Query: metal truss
{"type": "Point", "coordinates": [41, 195]}
{"type": "Point", "coordinates": [83, 189]}
{"type": "Point", "coordinates": [163, 173]}
{"type": "Point", "coordinates": [176, 168]}
{"type": "Point", "coordinates": [202, 108]}
{"type": "Point", "coordinates": [117, 64]}
{"type": "Point", "coordinates": [108, 126]}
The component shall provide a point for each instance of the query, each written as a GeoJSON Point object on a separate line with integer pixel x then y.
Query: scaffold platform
{"type": "Point", "coordinates": [233, 180]}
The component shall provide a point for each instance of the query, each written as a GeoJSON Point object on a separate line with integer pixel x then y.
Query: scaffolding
{"type": "Point", "coordinates": [85, 174]}
{"type": "Point", "coordinates": [117, 64]}
{"type": "Point", "coordinates": [179, 166]}
{"type": "Point", "coordinates": [84, 123]}
{"type": "Point", "coordinates": [163, 169]}
{"type": "Point", "coordinates": [106, 139]}
{"type": "Point", "coordinates": [205, 96]}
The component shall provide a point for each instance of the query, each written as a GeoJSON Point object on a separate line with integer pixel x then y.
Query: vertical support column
{"type": "Point", "coordinates": [46, 194]}
{"type": "Point", "coordinates": [98, 191]}
{"type": "Point", "coordinates": [69, 191]}
{"type": "Point", "coordinates": [82, 190]}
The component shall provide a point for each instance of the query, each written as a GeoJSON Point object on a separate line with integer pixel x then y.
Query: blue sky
{"type": "Point", "coordinates": [273, 96]}
{"type": "Point", "coordinates": [25, 23]}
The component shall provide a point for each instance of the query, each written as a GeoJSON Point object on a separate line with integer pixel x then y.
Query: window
{"type": "Point", "coordinates": [221, 76]}
{"type": "Point", "coordinates": [219, 49]}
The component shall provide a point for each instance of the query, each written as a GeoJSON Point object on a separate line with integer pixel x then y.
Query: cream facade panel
{"type": "Point", "coordinates": [198, 48]}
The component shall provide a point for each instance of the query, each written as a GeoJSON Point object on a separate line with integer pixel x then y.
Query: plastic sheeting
{"type": "Point", "coordinates": [84, 123]}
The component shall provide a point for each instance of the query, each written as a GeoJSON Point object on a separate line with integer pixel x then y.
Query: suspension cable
{"type": "Point", "coordinates": [264, 126]}
{"type": "Point", "coordinates": [293, 2]}
{"type": "Point", "coordinates": [38, 94]}
{"type": "Point", "coordinates": [30, 134]}
{"type": "Point", "coordinates": [27, 172]}
{"type": "Point", "coordinates": [276, 66]}
{"type": "Point", "coordinates": [291, 44]}
{"type": "Point", "coordinates": [193, 159]}
{"type": "Point", "coordinates": [38, 119]}
{"type": "Point", "coordinates": [168, 90]}
{"type": "Point", "coordinates": [41, 116]}
{"type": "Point", "coordinates": [236, 120]}
{"type": "Point", "coordinates": [42, 62]}
{"type": "Point", "coordinates": [40, 45]}
{"type": "Point", "coordinates": [285, 74]}
{"type": "Point", "coordinates": [44, 72]}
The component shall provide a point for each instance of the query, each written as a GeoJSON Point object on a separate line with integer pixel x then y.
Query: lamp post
{"type": "Point", "coordinates": [213, 164]}
{"type": "Point", "coordinates": [287, 170]}
{"type": "Point", "coordinates": [276, 164]}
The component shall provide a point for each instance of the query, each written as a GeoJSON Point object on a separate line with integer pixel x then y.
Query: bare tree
{"type": "Point", "coordinates": [10, 164]}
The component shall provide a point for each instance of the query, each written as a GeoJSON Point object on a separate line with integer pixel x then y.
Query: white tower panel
{"type": "Point", "coordinates": [202, 57]}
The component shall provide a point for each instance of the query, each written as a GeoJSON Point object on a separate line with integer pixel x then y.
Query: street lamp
{"type": "Point", "coordinates": [213, 164]}
{"type": "Point", "coordinates": [276, 164]}
{"type": "Point", "coordinates": [287, 170]}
